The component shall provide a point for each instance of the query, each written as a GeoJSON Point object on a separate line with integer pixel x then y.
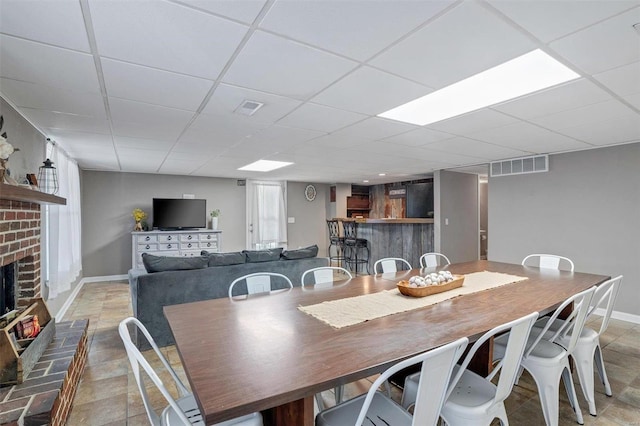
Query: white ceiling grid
{"type": "Point", "coordinates": [151, 86]}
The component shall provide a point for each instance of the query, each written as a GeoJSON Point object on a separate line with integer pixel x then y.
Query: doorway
{"type": "Point", "coordinates": [266, 214]}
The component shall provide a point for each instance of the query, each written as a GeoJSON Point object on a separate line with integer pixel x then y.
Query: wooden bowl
{"type": "Point", "coordinates": [405, 289]}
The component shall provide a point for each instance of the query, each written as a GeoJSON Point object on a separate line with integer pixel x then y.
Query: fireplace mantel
{"type": "Point", "coordinates": [21, 193]}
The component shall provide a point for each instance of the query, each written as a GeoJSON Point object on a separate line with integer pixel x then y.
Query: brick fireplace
{"type": "Point", "coordinates": [20, 242]}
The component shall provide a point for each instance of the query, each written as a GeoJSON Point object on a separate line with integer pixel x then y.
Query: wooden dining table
{"type": "Point", "coordinates": [264, 354]}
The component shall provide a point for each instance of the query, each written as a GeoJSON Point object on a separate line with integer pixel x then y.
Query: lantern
{"type": "Point", "coordinates": [48, 178]}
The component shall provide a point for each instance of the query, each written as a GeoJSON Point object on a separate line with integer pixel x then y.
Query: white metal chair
{"type": "Point", "coordinates": [378, 409]}
{"type": "Point", "coordinates": [323, 276]}
{"type": "Point", "coordinates": [471, 398]}
{"type": "Point", "coordinates": [389, 264]}
{"type": "Point", "coordinates": [547, 361]}
{"type": "Point", "coordinates": [184, 410]}
{"type": "Point", "coordinates": [259, 282]}
{"type": "Point", "coordinates": [549, 261]}
{"type": "Point", "coordinates": [587, 348]}
{"type": "Point", "coordinates": [430, 260]}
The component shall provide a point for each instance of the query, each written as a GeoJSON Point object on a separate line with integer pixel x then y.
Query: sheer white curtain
{"type": "Point", "coordinates": [267, 214]}
{"type": "Point", "coordinates": [63, 227]}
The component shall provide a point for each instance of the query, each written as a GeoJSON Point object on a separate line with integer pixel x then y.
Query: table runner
{"type": "Point", "coordinates": [354, 310]}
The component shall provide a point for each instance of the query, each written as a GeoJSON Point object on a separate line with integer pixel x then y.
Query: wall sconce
{"type": "Point", "coordinates": [48, 178]}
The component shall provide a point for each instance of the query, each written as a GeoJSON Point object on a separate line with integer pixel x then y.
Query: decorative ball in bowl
{"type": "Point", "coordinates": [433, 283]}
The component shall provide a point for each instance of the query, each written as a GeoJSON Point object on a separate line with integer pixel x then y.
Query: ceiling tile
{"type": "Point", "coordinates": [528, 137]}
{"type": "Point", "coordinates": [226, 99]}
{"type": "Point", "coordinates": [275, 138]}
{"type": "Point", "coordinates": [623, 81]}
{"type": "Point", "coordinates": [146, 121]}
{"type": "Point", "coordinates": [606, 45]}
{"type": "Point", "coordinates": [245, 10]}
{"type": "Point", "coordinates": [370, 91]}
{"type": "Point", "coordinates": [613, 131]}
{"type": "Point", "coordinates": [103, 161]}
{"type": "Point", "coordinates": [479, 38]}
{"type": "Point", "coordinates": [571, 95]}
{"type": "Point", "coordinates": [81, 141]}
{"type": "Point", "coordinates": [602, 111]}
{"type": "Point", "coordinates": [210, 131]}
{"type": "Point", "coordinates": [63, 121]}
{"type": "Point", "coordinates": [165, 35]}
{"type": "Point", "coordinates": [475, 148]}
{"type": "Point", "coordinates": [144, 84]}
{"type": "Point", "coordinates": [51, 66]}
{"type": "Point", "coordinates": [633, 100]}
{"type": "Point", "coordinates": [57, 99]}
{"type": "Point", "coordinates": [352, 28]}
{"type": "Point", "coordinates": [138, 160]}
{"type": "Point", "coordinates": [59, 23]}
{"type": "Point", "coordinates": [276, 65]}
{"type": "Point", "coordinates": [181, 167]}
{"type": "Point", "coordinates": [549, 20]}
{"type": "Point", "coordinates": [473, 122]}
{"type": "Point", "coordinates": [320, 118]}
{"type": "Point", "coordinates": [373, 129]}
{"type": "Point", "coordinates": [142, 144]}
{"type": "Point", "coordinates": [418, 137]}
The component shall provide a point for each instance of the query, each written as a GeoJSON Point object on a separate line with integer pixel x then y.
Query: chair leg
{"type": "Point", "coordinates": [571, 393]}
{"type": "Point", "coordinates": [601, 371]}
{"type": "Point", "coordinates": [548, 382]}
{"type": "Point", "coordinates": [319, 402]}
{"type": "Point", "coordinates": [338, 393]}
{"type": "Point", "coordinates": [584, 355]}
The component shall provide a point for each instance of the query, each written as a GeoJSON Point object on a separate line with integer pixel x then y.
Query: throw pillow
{"type": "Point", "coordinates": [301, 253]}
{"type": "Point", "coordinates": [224, 259]}
{"type": "Point", "coordinates": [166, 263]}
{"type": "Point", "coordinates": [254, 256]}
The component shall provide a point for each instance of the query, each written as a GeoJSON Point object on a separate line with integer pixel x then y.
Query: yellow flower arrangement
{"type": "Point", "coordinates": [139, 215]}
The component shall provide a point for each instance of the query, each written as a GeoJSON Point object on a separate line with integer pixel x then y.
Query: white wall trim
{"type": "Point", "coordinates": [67, 304]}
{"type": "Point", "coordinates": [622, 316]}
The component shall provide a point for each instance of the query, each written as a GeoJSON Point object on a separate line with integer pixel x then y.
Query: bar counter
{"type": "Point", "coordinates": [407, 238]}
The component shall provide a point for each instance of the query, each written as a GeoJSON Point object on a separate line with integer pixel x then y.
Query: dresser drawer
{"type": "Point", "coordinates": [195, 245]}
{"type": "Point", "coordinates": [170, 238]}
{"type": "Point", "coordinates": [143, 239]}
{"type": "Point", "coordinates": [189, 253]}
{"type": "Point", "coordinates": [143, 248]}
{"type": "Point", "coordinates": [210, 245]}
{"type": "Point", "coordinates": [188, 238]}
{"type": "Point", "coordinates": [209, 237]}
{"type": "Point", "coordinates": [169, 246]}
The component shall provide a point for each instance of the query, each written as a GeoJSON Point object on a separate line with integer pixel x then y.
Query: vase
{"type": "Point", "coordinates": [138, 227]}
{"type": "Point", "coordinates": [214, 223]}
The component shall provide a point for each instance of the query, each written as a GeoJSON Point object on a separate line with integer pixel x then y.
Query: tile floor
{"type": "Point", "coordinates": [108, 394]}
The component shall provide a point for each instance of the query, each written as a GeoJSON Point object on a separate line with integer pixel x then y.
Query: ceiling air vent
{"type": "Point", "coordinates": [249, 107]}
{"type": "Point", "coordinates": [520, 166]}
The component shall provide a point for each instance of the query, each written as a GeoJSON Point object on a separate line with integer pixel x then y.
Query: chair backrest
{"type": "Point", "coordinates": [334, 228]}
{"type": "Point", "coordinates": [324, 275]}
{"type": "Point", "coordinates": [137, 360]}
{"type": "Point", "coordinates": [259, 282]}
{"type": "Point", "coordinates": [388, 264]}
{"type": "Point", "coordinates": [437, 366]}
{"type": "Point", "coordinates": [549, 261]}
{"type": "Point", "coordinates": [350, 229]}
{"type": "Point", "coordinates": [604, 298]}
{"type": "Point", "coordinates": [508, 366]}
{"type": "Point", "coordinates": [572, 325]}
{"type": "Point", "coordinates": [430, 260]}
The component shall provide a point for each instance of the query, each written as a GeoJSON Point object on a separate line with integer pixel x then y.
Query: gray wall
{"type": "Point", "coordinates": [587, 207]}
{"type": "Point", "coordinates": [457, 201]}
{"type": "Point", "coordinates": [108, 199]}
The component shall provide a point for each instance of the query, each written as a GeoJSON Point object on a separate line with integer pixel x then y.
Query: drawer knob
{"type": "Point", "coordinates": [147, 238]}
{"type": "Point", "coordinates": [208, 237]}
{"type": "Point", "coordinates": [168, 245]}
{"type": "Point", "coordinates": [147, 247]}
{"type": "Point", "coordinates": [189, 245]}
{"type": "Point", "coordinates": [169, 238]}
{"type": "Point", "coordinates": [189, 237]}
{"type": "Point", "coordinates": [208, 244]}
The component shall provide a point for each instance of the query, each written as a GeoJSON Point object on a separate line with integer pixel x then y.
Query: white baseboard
{"type": "Point", "coordinates": [622, 316]}
{"type": "Point", "coordinates": [67, 304]}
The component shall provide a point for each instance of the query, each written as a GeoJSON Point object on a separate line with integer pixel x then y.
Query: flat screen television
{"type": "Point", "coordinates": [179, 213]}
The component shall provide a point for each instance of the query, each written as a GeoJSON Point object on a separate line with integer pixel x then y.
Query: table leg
{"type": "Point", "coordinates": [482, 362]}
{"type": "Point", "coordinates": [299, 413]}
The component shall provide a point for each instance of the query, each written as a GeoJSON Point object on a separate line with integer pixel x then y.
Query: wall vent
{"type": "Point", "coordinates": [249, 107]}
{"type": "Point", "coordinates": [520, 166]}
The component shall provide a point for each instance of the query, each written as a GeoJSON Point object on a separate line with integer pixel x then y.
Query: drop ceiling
{"type": "Point", "coordinates": [151, 86]}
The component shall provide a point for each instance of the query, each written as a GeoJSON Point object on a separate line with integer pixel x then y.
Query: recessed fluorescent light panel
{"type": "Point", "coordinates": [264, 166]}
{"type": "Point", "coordinates": [520, 76]}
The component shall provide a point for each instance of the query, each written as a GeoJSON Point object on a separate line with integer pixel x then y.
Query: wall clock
{"type": "Point", "coordinates": [310, 192]}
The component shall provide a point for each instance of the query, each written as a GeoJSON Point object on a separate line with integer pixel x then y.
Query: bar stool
{"type": "Point", "coordinates": [356, 250]}
{"type": "Point", "coordinates": [335, 240]}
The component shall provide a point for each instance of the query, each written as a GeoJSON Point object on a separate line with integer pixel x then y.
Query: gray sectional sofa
{"type": "Point", "coordinates": [211, 278]}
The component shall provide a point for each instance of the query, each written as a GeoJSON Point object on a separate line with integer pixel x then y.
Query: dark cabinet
{"type": "Point", "coordinates": [358, 203]}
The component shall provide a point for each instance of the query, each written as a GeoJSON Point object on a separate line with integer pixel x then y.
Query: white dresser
{"type": "Point", "coordinates": [173, 243]}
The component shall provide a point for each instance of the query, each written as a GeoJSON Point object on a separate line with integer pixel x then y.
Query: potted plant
{"type": "Point", "coordinates": [214, 218]}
